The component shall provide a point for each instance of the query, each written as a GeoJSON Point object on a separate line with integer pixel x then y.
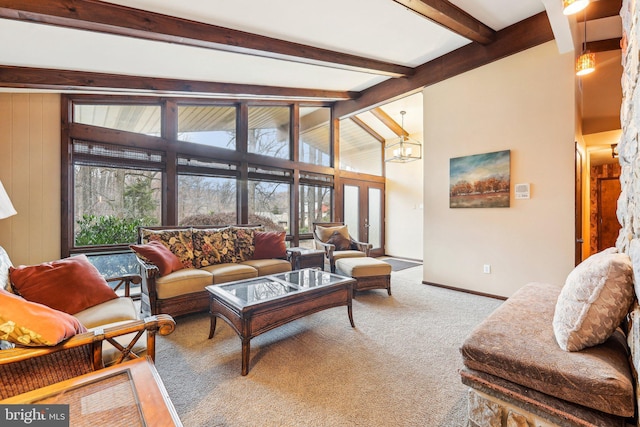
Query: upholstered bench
{"type": "Point", "coordinates": [369, 273]}
{"type": "Point", "coordinates": [516, 371]}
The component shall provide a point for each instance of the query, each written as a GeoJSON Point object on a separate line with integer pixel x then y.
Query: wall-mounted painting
{"type": "Point", "coordinates": [480, 181]}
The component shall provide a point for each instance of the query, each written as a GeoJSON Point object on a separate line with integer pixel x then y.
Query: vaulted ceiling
{"type": "Point", "coordinates": [360, 54]}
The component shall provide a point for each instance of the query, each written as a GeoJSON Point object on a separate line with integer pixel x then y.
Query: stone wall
{"type": "Point", "coordinates": [629, 203]}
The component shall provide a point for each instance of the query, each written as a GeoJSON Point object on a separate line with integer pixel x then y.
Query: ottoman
{"type": "Point", "coordinates": [370, 273]}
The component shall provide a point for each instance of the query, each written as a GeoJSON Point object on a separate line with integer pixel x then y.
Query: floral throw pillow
{"type": "Point", "coordinates": [212, 246]}
{"type": "Point", "coordinates": [177, 241]}
{"type": "Point", "coordinates": [244, 238]}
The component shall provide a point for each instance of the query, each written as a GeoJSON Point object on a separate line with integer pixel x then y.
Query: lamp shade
{"type": "Point", "coordinates": [6, 208]}
{"type": "Point", "coordinates": [586, 64]}
{"type": "Point", "coordinates": [569, 7]}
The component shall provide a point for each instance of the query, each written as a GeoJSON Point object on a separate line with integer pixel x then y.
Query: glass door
{"type": "Point", "coordinates": [363, 209]}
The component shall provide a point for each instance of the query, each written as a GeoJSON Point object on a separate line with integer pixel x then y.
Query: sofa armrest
{"type": "Point", "coordinates": [24, 369]}
{"type": "Point", "coordinates": [148, 292]}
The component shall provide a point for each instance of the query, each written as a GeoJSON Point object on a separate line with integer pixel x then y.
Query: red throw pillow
{"type": "Point", "coordinates": [269, 244]}
{"type": "Point", "coordinates": [341, 243]}
{"type": "Point", "coordinates": [32, 324]}
{"type": "Point", "coordinates": [70, 285]}
{"type": "Point", "coordinates": [160, 256]}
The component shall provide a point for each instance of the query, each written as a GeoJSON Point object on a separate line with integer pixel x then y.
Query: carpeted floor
{"type": "Point", "coordinates": [398, 367]}
{"type": "Point", "coordinates": [398, 264]}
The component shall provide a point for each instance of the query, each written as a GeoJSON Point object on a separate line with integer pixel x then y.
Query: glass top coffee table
{"type": "Point", "coordinates": [254, 306]}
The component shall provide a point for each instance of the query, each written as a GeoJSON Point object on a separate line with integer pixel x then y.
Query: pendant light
{"type": "Point", "coordinates": [586, 62]}
{"type": "Point", "coordinates": [569, 7]}
{"type": "Point", "coordinates": [404, 150]}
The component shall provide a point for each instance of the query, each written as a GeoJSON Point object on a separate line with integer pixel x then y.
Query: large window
{"type": "Point", "coordinates": [315, 135]}
{"type": "Point", "coordinates": [269, 131]}
{"type": "Point", "coordinates": [168, 161]}
{"type": "Point", "coordinates": [143, 119]}
{"type": "Point", "coordinates": [359, 151]}
{"type": "Point", "coordinates": [209, 125]}
{"type": "Point", "coordinates": [206, 200]}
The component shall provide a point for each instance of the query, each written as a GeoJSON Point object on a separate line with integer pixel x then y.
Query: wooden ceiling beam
{"type": "Point", "coordinates": [600, 9]}
{"type": "Point", "coordinates": [604, 45]}
{"type": "Point", "coordinates": [386, 119]}
{"type": "Point", "coordinates": [526, 34]}
{"type": "Point", "coordinates": [451, 17]}
{"type": "Point", "coordinates": [91, 15]}
{"type": "Point", "coordinates": [64, 80]}
{"type": "Point", "coordinates": [367, 128]}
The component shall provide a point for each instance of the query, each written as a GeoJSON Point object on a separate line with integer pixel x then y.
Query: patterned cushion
{"type": "Point", "coordinates": [212, 246]}
{"type": "Point", "coordinates": [177, 241]}
{"type": "Point", "coordinates": [594, 300]}
{"type": "Point", "coordinates": [243, 238]}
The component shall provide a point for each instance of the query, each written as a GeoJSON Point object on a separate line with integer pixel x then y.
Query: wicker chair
{"type": "Point", "coordinates": [25, 369]}
{"type": "Point", "coordinates": [359, 249]}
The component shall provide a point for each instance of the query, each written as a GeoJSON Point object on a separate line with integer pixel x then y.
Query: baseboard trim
{"type": "Point", "coordinates": [401, 258]}
{"type": "Point", "coordinates": [467, 291]}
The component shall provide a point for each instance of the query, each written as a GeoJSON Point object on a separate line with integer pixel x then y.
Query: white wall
{"type": "Point", "coordinates": [404, 208]}
{"type": "Point", "coordinates": [523, 103]}
{"type": "Point", "coordinates": [30, 172]}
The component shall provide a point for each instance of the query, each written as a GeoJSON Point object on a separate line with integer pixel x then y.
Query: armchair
{"type": "Point", "coordinates": [24, 369]}
{"type": "Point", "coordinates": [337, 243]}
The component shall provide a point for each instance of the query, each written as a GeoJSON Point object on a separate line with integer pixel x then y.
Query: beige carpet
{"type": "Point", "coordinates": [398, 367]}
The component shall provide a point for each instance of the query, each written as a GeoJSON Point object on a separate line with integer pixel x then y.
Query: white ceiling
{"type": "Point", "coordinates": [377, 29]}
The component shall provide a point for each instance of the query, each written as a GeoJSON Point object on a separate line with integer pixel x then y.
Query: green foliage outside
{"type": "Point", "coordinates": [107, 230]}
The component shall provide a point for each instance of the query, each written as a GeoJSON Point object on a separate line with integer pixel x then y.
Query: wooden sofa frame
{"type": "Point", "coordinates": [27, 368]}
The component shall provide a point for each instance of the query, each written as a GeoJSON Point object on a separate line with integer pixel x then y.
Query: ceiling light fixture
{"type": "Point", "coordinates": [586, 62]}
{"type": "Point", "coordinates": [404, 150]}
{"type": "Point", "coordinates": [569, 7]}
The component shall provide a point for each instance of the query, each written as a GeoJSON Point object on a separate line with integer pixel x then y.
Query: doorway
{"type": "Point", "coordinates": [364, 212]}
{"type": "Point", "coordinates": [605, 191]}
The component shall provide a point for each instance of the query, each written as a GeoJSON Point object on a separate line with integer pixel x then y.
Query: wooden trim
{"type": "Point", "coordinates": [604, 45]}
{"type": "Point", "coordinates": [451, 17]}
{"type": "Point", "coordinates": [526, 34]}
{"type": "Point", "coordinates": [130, 22]}
{"type": "Point", "coordinates": [66, 80]}
{"type": "Point", "coordinates": [466, 291]}
{"type": "Point", "coordinates": [600, 9]}
{"type": "Point", "coordinates": [367, 129]}
{"type": "Point", "coordinates": [386, 119]}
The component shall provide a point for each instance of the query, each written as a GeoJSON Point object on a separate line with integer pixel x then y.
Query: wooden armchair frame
{"type": "Point", "coordinates": [28, 368]}
{"type": "Point", "coordinates": [329, 248]}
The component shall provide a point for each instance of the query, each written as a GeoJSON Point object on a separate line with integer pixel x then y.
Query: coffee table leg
{"type": "Point", "coordinates": [212, 327]}
{"type": "Point", "coordinates": [246, 348]}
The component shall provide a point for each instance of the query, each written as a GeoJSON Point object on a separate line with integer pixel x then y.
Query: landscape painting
{"type": "Point", "coordinates": [480, 180]}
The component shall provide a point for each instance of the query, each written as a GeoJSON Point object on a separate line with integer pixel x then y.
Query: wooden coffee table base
{"type": "Point", "coordinates": [253, 320]}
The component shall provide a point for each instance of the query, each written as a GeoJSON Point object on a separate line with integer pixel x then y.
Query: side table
{"type": "Point", "coordinates": [305, 258]}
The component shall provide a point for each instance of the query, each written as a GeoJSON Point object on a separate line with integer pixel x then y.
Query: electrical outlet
{"type": "Point", "coordinates": [486, 268]}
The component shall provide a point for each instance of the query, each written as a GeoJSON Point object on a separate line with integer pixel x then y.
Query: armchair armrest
{"type": "Point", "coordinates": [126, 281]}
{"type": "Point", "coordinates": [328, 248]}
{"type": "Point", "coordinates": [24, 369]}
{"type": "Point", "coordinates": [362, 246]}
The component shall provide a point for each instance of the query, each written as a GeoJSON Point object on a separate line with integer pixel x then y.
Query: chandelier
{"type": "Point", "coordinates": [403, 150]}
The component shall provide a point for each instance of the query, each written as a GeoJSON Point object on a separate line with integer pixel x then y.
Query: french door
{"type": "Point", "coordinates": [363, 209]}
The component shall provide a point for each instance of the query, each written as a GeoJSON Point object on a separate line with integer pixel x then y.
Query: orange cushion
{"type": "Point", "coordinates": [269, 244]}
{"type": "Point", "coordinates": [29, 323]}
{"type": "Point", "coordinates": [70, 285]}
{"type": "Point", "coordinates": [158, 254]}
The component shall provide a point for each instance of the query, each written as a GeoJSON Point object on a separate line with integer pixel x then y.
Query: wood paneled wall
{"type": "Point", "coordinates": [30, 172]}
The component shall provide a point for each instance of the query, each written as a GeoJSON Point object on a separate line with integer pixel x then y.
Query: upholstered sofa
{"type": "Point", "coordinates": [559, 355]}
{"type": "Point", "coordinates": [52, 338]}
{"type": "Point", "coordinates": [208, 255]}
